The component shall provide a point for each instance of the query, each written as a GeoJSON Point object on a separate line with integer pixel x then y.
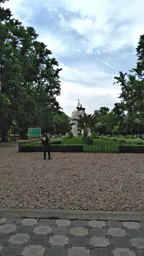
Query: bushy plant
{"type": "Point", "coordinates": [115, 130]}
{"type": "Point", "coordinates": [70, 135]}
{"type": "Point", "coordinates": [56, 142]}
{"type": "Point", "coordinates": [89, 141]}
{"type": "Point", "coordinates": [121, 140]}
{"type": "Point", "coordinates": [93, 135]}
{"type": "Point", "coordinates": [140, 142]}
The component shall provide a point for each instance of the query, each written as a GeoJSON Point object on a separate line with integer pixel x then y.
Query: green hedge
{"type": "Point", "coordinates": [131, 149]}
{"type": "Point", "coordinates": [53, 148]}
{"type": "Point", "coordinates": [95, 148]}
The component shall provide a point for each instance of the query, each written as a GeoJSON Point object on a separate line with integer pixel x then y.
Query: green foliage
{"type": "Point", "coordinates": [29, 78]}
{"type": "Point", "coordinates": [115, 130]}
{"type": "Point", "coordinates": [99, 127]}
{"type": "Point", "coordinates": [89, 141]}
{"type": "Point", "coordinates": [86, 122]}
{"type": "Point", "coordinates": [61, 123]}
{"type": "Point", "coordinates": [93, 134]}
{"type": "Point", "coordinates": [70, 135]}
{"type": "Point", "coordinates": [122, 140]}
{"type": "Point", "coordinates": [98, 145]}
{"type": "Point", "coordinates": [131, 114]}
{"type": "Point", "coordinates": [38, 143]}
{"type": "Point", "coordinates": [30, 84]}
{"type": "Point", "coordinates": [127, 116]}
{"type": "Point", "coordinates": [105, 120]}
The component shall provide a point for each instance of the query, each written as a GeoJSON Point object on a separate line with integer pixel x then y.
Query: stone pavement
{"type": "Point", "coordinates": [58, 237]}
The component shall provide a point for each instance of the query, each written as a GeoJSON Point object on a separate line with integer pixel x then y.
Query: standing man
{"type": "Point", "coordinates": [46, 145]}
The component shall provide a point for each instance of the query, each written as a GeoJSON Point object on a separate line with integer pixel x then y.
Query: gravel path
{"type": "Point", "coordinates": [71, 181]}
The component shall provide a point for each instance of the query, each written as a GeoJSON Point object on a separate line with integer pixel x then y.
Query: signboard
{"type": "Point", "coordinates": [34, 132]}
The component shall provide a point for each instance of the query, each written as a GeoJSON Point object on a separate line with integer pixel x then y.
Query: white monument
{"type": "Point", "coordinates": [76, 130]}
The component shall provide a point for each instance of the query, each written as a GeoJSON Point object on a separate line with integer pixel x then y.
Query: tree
{"type": "Point", "coordinates": [132, 92]}
{"type": "Point", "coordinates": [103, 111]}
{"type": "Point", "coordinates": [105, 120]}
{"type": "Point", "coordinates": [29, 78]}
{"type": "Point", "coordinates": [100, 128]}
{"type": "Point", "coordinates": [109, 121]}
{"type": "Point", "coordinates": [115, 130]}
{"type": "Point", "coordinates": [61, 123]}
{"type": "Point", "coordinates": [119, 112]}
{"type": "Point", "coordinates": [140, 63]}
{"type": "Point", "coordinates": [85, 122]}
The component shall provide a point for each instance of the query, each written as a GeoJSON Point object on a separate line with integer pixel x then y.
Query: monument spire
{"type": "Point", "coordinates": [78, 103]}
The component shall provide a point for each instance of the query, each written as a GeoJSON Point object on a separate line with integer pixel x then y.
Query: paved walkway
{"type": "Point", "coordinates": [49, 237]}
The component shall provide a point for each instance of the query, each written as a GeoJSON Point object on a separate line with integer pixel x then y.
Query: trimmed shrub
{"type": "Point", "coordinates": [53, 148]}
{"type": "Point", "coordinates": [58, 142]}
{"type": "Point", "coordinates": [93, 135]}
{"type": "Point", "coordinates": [140, 142]}
{"type": "Point", "coordinates": [131, 149]}
{"type": "Point", "coordinates": [70, 135]}
{"type": "Point", "coordinates": [89, 141]}
{"type": "Point", "coordinates": [121, 140]}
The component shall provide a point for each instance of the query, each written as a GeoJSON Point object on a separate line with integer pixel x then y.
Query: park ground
{"type": "Point", "coordinates": [84, 181]}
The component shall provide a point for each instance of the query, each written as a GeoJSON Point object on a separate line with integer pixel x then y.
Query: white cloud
{"type": "Point", "coordinates": [13, 4]}
{"type": "Point", "coordinates": [105, 26]}
{"type": "Point", "coordinates": [95, 23]}
{"type": "Point", "coordinates": [98, 90]}
{"type": "Point", "coordinates": [86, 72]}
{"type": "Point", "coordinates": [57, 45]}
{"type": "Point", "coordinates": [84, 7]}
{"type": "Point", "coordinates": [52, 9]}
{"type": "Point", "coordinates": [20, 9]}
{"type": "Point", "coordinates": [89, 51]}
{"type": "Point", "coordinates": [107, 64]}
{"type": "Point", "coordinates": [91, 97]}
{"type": "Point", "coordinates": [53, 43]}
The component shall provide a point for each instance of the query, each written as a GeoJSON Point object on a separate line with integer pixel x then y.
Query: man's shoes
{"type": "Point", "coordinates": [44, 158]}
{"type": "Point", "coordinates": [49, 158]}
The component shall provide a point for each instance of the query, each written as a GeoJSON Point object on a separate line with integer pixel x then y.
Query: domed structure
{"type": "Point", "coordinates": [76, 130]}
{"type": "Point", "coordinates": [75, 114]}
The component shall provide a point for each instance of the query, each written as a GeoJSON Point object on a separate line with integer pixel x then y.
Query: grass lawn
{"type": "Point", "coordinates": [99, 144]}
{"type": "Point", "coordinates": [103, 144]}
{"type": "Point", "coordinates": [79, 140]}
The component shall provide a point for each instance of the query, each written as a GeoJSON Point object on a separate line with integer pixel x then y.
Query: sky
{"type": "Point", "coordinates": [91, 39]}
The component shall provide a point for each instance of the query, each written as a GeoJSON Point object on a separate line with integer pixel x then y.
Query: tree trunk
{"type": "Point", "coordinates": [85, 133]}
{"type": "Point", "coordinates": [23, 135]}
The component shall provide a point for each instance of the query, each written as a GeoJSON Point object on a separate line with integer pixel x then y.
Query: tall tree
{"type": "Point", "coordinates": [61, 123]}
{"type": "Point", "coordinates": [132, 91]}
{"type": "Point", "coordinates": [105, 120]}
{"type": "Point", "coordinates": [29, 77]}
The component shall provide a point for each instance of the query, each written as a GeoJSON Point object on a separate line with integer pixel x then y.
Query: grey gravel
{"type": "Point", "coordinates": [84, 181]}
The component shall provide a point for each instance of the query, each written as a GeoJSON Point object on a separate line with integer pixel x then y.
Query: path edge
{"type": "Point", "coordinates": [71, 214]}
